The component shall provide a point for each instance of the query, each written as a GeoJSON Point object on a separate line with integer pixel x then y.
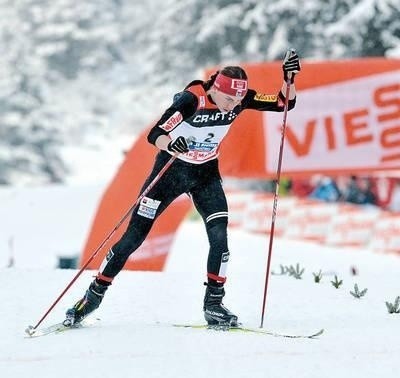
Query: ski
{"type": "Point", "coordinates": [58, 328]}
{"type": "Point", "coordinates": [250, 330]}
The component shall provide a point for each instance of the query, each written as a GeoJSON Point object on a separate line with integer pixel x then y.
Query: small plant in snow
{"type": "Point", "coordinates": [394, 308]}
{"type": "Point", "coordinates": [284, 270]}
{"type": "Point", "coordinates": [296, 272]}
{"type": "Point", "coordinates": [336, 283]}
{"type": "Point", "coordinates": [317, 276]}
{"type": "Point", "coordinates": [357, 293]}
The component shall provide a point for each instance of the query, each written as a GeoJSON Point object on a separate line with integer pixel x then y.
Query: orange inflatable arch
{"type": "Point", "coordinates": [244, 152]}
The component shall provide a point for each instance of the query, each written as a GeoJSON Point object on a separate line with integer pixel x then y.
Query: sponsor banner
{"type": "Point", "coordinates": [252, 211]}
{"type": "Point", "coordinates": [347, 119]}
{"type": "Point", "coordinates": [353, 226]}
{"type": "Point", "coordinates": [310, 220]}
{"type": "Point", "coordinates": [257, 215]}
{"type": "Point", "coordinates": [237, 204]}
{"type": "Point", "coordinates": [336, 224]}
{"type": "Point", "coordinates": [386, 234]}
{"type": "Point", "coordinates": [348, 126]}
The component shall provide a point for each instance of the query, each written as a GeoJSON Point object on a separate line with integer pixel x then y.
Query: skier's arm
{"type": "Point", "coordinates": [290, 67]}
{"type": "Point", "coordinates": [271, 102]}
{"type": "Point", "coordinates": [184, 106]}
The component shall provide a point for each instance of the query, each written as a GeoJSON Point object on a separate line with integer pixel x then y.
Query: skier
{"type": "Point", "coordinates": [192, 128]}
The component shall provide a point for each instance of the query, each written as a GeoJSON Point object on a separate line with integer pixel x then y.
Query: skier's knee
{"type": "Point", "coordinates": [217, 221]}
{"type": "Point", "coordinates": [217, 233]}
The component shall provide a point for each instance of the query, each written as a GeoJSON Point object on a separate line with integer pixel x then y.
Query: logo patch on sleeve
{"type": "Point", "coordinates": [172, 122]}
{"type": "Point", "coordinates": [202, 101]}
{"type": "Point", "coordinates": [265, 97]}
{"type": "Point", "coordinates": [148, 207]}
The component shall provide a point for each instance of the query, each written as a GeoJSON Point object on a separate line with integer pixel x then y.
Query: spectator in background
{"type": "Point", "coordinates": [326, 190]}
{"type": "Point", "coordinates": [394, 203]}
{"type": "Point", "coordinates": [359, 191]}
{"type": "Point", "coordinates": [352, 192]}
{"type": "Point", "coordinates": [285, 186]}
{"type": "Point", "coordinates": [301, 187]}
{"type": "Point", "coordinates": [367, 195]}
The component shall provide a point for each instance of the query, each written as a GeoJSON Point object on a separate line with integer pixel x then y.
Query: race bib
{"type": "Point", "coordinates": [148, 207]}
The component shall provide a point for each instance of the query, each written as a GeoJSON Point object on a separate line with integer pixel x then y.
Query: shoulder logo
{"type": "Point", "coordinates": [202, 101]}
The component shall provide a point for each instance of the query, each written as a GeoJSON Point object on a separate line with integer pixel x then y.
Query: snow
{"type": "Point", "coordinates": [135, 338]}
{"type": "Point", "coordinates": [82, 161]}
{"type": "Point", "coordinates": [40, 224]}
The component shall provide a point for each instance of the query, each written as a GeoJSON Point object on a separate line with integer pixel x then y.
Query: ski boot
{"type": "Point", "coordinates": [215, 313]}
{"type": "Point", "coordinates": [90, 302]}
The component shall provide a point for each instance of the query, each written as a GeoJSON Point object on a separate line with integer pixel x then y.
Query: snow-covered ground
{"type": "Point", "coordinates": [135, 338]}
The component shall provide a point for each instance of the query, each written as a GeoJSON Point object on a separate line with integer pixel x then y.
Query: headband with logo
{"type": "Point", "coordinates": [231, 86]}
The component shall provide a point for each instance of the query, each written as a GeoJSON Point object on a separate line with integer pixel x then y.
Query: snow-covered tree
{"type": "Point", "coordinates": [81, 73]}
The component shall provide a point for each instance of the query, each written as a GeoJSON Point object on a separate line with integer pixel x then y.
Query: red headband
{"type": "Point", "coordinates": [230, 86]}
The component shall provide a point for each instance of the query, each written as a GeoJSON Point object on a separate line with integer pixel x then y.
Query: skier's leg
{"type": "Point", "coordinates": [143, 217]}
{"type": "Point", "coordinates": [211, 203]}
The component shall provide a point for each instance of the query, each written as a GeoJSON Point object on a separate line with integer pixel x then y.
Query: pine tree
{"type": "Point", "coordinates": [52, 50]}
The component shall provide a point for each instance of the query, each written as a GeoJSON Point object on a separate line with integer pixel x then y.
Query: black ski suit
{"type": "Point", "coordinates": [194, 116]}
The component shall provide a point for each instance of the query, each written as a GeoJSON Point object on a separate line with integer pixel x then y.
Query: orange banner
{"type": "Point", "coordinates": [347, 119]}
{"type": "Point", "coordinates": [349, 126]}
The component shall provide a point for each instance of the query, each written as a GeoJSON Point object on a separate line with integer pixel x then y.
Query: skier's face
{"type": "Point", "coordinates": [225, 102]}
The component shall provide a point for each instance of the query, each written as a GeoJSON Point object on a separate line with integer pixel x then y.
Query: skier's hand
{"type": "Point", "coordinates": [291, 65]}
{"type": "Point", "coordinates": [178, 145]}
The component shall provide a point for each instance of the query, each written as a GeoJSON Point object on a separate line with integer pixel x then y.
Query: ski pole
{"type": "Point", "coordinates": [275, 203]}
{"type": "Point", "coordinates": [148, 188]}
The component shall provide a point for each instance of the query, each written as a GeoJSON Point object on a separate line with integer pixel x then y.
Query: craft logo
{"type": "Point", "coordinates": [231, 116]}
{"type": "Point", "coordinates": [201, 118]}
